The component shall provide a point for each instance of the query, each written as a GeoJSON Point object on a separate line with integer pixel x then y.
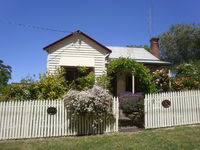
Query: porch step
{"type": "Point", "coordinates": [130, 129]}
{"type": "Point", "coordinates": [125, 121]}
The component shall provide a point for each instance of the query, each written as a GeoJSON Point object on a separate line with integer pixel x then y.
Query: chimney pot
{"type": "Point", "coordinates": [155, 47]}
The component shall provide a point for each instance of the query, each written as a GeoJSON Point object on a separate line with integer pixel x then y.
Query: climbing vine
{"type": "Point", "coordinates": [123, 65]}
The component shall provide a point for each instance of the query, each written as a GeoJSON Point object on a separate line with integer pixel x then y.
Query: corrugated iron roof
{"type": "Point", "coordinates": [137, 54]}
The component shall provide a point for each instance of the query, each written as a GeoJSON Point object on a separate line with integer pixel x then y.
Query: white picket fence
{"type": "Point", "coordinates": [29, 119]}
{"type": "Point", "coordinates": [184, 109]}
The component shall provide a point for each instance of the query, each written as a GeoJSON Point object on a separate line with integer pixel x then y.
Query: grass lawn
{"type": "Point", "coordinates": [183, 138]}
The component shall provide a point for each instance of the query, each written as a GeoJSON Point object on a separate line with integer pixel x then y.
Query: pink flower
{"type": "Point", "coordinates": [161, 70]}
{"type": "Point", "coordinates": [157, 80]}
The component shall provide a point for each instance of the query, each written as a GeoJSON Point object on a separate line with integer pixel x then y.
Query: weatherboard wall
{"type": "Point", "coordinates": [79, 48]}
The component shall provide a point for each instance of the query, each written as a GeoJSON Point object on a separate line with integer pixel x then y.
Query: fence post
{"type": "Point", "coordinates": [117, 114]}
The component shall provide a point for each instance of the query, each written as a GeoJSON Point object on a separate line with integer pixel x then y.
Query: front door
{"type": "Point", "coordinates": [129, 86]}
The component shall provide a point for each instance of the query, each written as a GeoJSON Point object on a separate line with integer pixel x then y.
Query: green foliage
{"type": "Point", "coordinates": [185, 83]}
{"type": "Point", "coordinates": [146, 47]}
{"type": "Point", "coordinates": [20, 92]}
{"type": "Point", "coordinates": [26, 90]}
{"type": "Point", "coordinates": [138, 114]}
{"type": "Point", "coordinates": [123, 65]}
{"type": "Point", "coordinates": [187, 76]}
{"type": "Point", "coordinates": [85, 81]}
{"type": "Point", "coordinates": [85, 78]}
{"type": "Point", "coordinates": [103, 81]}
{"type": "Point", "coordinates": [180, 43]}
{"type": "Point", "coordinates": [133, 107]}
{"type": "Point", "coordinates": [5, 92]}
{"type": "Point", "coordinates": [190, 69]}
{"type": "Point", "coordinates": [128, 105]}
{"type": "Point", "coordinates": [49, 86]}
{"type": "Point", "coordinates": [52, 86]}
{"type": "Point", "coordinates": [5, 74]}
{"type": "Point", "coordinates": [89, 80]}
{"type": "Point", "coordinates": [82, 69]}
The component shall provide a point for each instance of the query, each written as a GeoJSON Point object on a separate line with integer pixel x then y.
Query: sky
{"type": "Point", "coordinates": [111, 22]}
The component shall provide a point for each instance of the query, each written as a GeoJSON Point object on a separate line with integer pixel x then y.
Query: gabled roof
{"type": "Point", "coordinates": [77, 32]}
{"type": "Point", "coordinates": [138, 54]}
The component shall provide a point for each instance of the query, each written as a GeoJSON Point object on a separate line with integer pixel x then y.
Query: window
{"type": "Point", "coordinates": [72, 73]}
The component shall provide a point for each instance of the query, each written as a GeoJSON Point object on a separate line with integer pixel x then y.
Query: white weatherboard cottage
{"type": "Point", "coordinates": [79, 49]}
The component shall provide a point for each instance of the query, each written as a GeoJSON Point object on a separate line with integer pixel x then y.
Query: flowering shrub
{"type": "Point", "coordinates": [96, 102]}
{"type": "Point", "coordinates": [189, 69]}
{"type": "Point", "coordinates": [23, 92]}
{"type": "Point", "coordinates": [19, 92]}
{"type": "Point", "coordinates": [161, 79]}
{"type": "Point", "coordinates": [187, 76]}
{"type": "Point", "coordinates": [127, 94]}
{"type": "Point", "coordinates": [185, 83]}
{"type": "Point", "coordinates": [128, 101]}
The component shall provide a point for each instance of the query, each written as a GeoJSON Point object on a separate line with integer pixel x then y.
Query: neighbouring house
{"type": "Point", "coordinates": [79, 49]}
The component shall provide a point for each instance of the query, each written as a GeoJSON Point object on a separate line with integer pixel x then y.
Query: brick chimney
{"type": "Point", "coordinates": [155, 47]}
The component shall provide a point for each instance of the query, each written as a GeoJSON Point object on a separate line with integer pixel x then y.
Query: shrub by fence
{"type": "Point", "coordinates": [34, 119]}
{"type": "Point", "coordinates": [172, 108]}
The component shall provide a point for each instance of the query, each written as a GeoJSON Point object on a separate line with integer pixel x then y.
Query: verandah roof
{"type": "Point", "coordinates": [138, 54]}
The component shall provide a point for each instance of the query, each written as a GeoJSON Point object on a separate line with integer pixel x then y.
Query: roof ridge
{"type": "Point", "coordinates": [126, 47]}
{"type": "Point", "coordinates": [77, 32]}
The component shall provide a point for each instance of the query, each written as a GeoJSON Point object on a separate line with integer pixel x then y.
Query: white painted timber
{"type": "Point", "coordinates": [77, 50]}
{"type": "Point", "coordinates": [77, 61]}
{"type": "Point", "coordinates": [29, 119]}
{"type": "Point", "coordinates": [184, 109]}
{"type": "Point", "coordinates": [133, 84]}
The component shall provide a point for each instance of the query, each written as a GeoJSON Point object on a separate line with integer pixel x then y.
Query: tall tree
{"type": "Point", "coordinates": [181, 43]}
{"type": "Point", "coordinates": [5, 73]}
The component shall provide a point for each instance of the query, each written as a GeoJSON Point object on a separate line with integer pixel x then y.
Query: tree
{"type": "Point", "coordinates": [181, 43]}
{"type": "Point", "coordinates": [5, 73]}
{"type": "Point", "coordinates": [146, 47]}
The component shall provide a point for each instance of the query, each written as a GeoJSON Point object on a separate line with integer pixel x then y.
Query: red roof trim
{"type": "Point", "coordinates": [79, 32]}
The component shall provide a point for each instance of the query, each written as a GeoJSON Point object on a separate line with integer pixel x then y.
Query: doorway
{"type": "Point", "coordinates": [129, 83]}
